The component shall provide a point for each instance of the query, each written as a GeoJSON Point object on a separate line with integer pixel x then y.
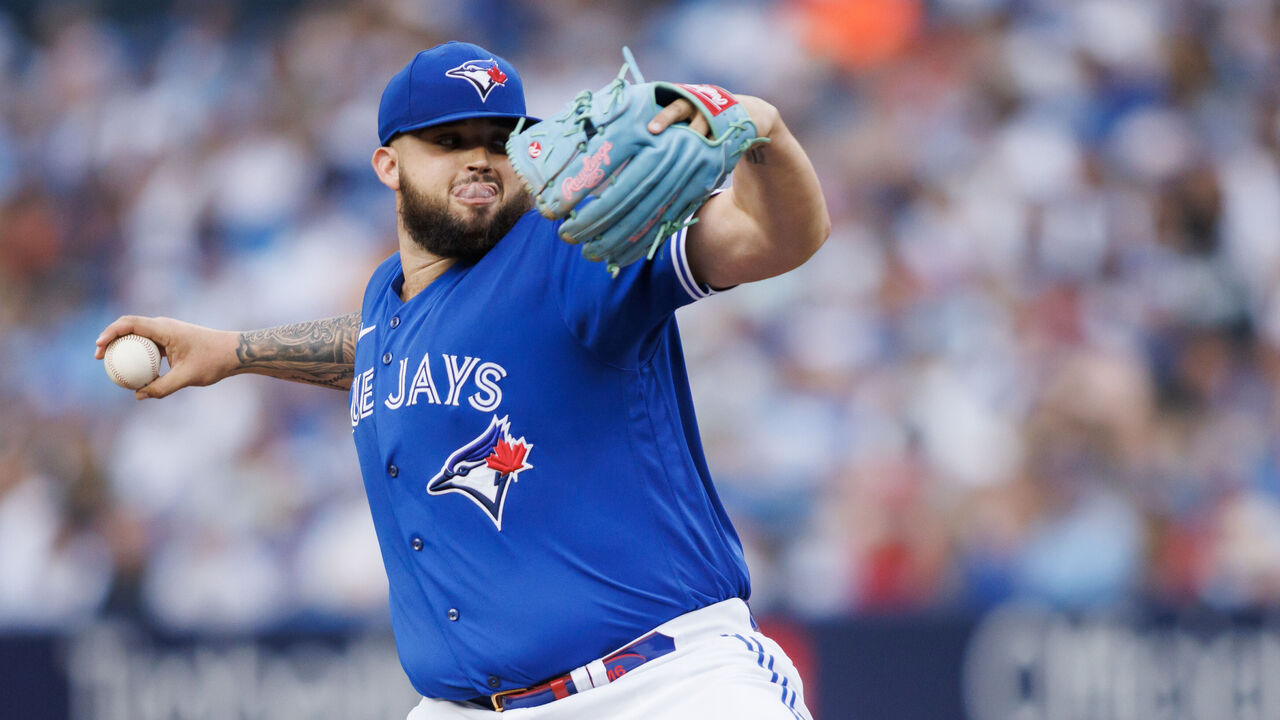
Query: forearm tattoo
{"type": "Point", "coordinates": [320, 352]}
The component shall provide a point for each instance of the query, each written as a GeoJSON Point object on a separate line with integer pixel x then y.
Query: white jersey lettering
{"type": "Point", "coordinates": [394, 401]}
{"type": "Point", "coordinates": [355, 401]}
{"type": "Point", "coordinates": [482, 376]}
{"type": "Point", "coordinates": [362, 397]}
{"type": "Point", "coordinates": [490, 395]}
{"type": "Point", "coordinates": [458, 375]}
{"type": "Point", "coordinates": [422, 383]}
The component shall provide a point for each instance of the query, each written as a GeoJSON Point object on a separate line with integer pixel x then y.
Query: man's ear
{"type": "Point", "coordinates": [386, 163]}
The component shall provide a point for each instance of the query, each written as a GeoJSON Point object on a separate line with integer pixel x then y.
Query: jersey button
{"type": "Point", "coordinates": [393, 471]}
{"type": "Point", "coordinates": [416, 544]}
{"type": "Point", "coordinates": [453, 614]}
{"type": "Point", "coordinates": [395, 322]}
{"type": "Point", "coordinates": [495, 682]}
{"type": "Point", "coordinates": [386, 358]}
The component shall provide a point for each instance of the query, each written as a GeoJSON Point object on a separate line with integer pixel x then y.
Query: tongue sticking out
{"type": "Point", "coordinates": [474, 191]}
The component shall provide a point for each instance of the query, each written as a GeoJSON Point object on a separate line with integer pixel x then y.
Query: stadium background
{"type": "Point", "coordinates": [1008, 447]}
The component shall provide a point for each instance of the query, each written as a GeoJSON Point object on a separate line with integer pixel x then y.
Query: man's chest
{"type": "Point", "coordinates": [446, 357]}
{"type": "Point", "coordinates": [456, 393]}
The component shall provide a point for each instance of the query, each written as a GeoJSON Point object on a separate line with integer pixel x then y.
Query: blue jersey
{"type": "Point", "coordinates": [532, 462]}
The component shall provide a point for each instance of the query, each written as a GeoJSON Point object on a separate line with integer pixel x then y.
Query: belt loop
{"type": "Point", "coordinates": [597, 672]}
{"type": "Point", "coordinates": [581, 679]}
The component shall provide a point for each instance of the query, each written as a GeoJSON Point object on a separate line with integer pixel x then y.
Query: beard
{"type": "Point", "coordinates": [432, 226]}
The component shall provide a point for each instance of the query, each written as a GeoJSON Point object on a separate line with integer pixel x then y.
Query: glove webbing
{"type": "Point", "coordinates": [580, 110]}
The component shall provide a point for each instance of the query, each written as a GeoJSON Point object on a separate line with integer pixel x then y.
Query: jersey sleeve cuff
{"type": "Point", "coordinates": [684, 273]}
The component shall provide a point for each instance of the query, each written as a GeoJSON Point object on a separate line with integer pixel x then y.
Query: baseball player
{"type": "Point", "coordinates": [553, 540]}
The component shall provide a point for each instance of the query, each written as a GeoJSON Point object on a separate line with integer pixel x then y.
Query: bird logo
{"type": "Point", "coordinates": [484, 468]}
{"type": "Point", "coordinates": [484, 75]}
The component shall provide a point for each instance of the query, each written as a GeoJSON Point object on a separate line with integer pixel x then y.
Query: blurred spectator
{"type": "Point", "coordinates": [1039, 356]}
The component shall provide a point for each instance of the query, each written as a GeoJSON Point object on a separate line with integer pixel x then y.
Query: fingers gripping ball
{"type": "Point", "coordinates": [623, 189]}
{"type": "Point", "coordinates": [132, 361]}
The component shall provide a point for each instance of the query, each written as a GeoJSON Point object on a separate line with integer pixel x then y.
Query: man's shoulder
{"type": "Point", "coordinates": [532, 223]}
{"type": "Point", "coordinates": [532, 233]}
{"type": "Point", "coordinates": [390, 265]}
{"type": "Point", "coordinates": [387, 272]}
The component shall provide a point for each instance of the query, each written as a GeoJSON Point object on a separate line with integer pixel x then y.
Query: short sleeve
{"type": "Point", "coordinates": [621, 318]}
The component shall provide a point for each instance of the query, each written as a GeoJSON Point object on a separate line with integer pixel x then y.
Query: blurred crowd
{"type": "Point", "coordinates": [1038, 358]}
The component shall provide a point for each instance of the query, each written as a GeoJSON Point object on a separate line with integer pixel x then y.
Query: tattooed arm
{"type": "Point", "coordinates": [320, 352]}
{"type": "Point", "coordinates": [773, 218]}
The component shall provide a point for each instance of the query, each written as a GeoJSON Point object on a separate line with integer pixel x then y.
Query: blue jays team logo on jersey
{"type": "Point", "coordinates": [484, 75]}
{"type": "Point", "coordinates": [484, 468]}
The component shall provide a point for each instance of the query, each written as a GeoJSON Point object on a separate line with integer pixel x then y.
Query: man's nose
{"type": "Point", "coordinates": [478, 159]}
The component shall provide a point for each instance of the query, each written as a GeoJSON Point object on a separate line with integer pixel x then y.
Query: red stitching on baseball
{"type": "Point", "coordinates": [153, 357]}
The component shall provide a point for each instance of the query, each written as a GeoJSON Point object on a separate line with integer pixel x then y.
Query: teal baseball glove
{"type": "Point", "coordinates": [644, 187]}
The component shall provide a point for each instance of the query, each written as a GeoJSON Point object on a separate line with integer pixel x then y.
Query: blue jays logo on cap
{"type": "Point", "coordinates": [484, 75]}
{"type": "Point", "coordinates": [448, 83]}
{"type": "Point", "coordinates": [484, 468]}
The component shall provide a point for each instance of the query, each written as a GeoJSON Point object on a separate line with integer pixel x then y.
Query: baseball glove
{"type": "Point", "coordinates": [644, 187]}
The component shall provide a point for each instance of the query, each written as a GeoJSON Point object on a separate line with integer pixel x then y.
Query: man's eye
{"type": "Point", "coordinates": [447, 141]}
{"type": "Point", "coordinates": [498, 146]}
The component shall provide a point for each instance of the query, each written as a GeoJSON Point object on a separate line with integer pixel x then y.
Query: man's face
{"type": "Point", "coordinates": [458, 193]}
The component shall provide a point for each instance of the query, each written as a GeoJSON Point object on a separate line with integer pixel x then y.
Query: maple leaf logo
{"type": "Point", "coordinates": [484, 75]}
{"type": "Point", "coordinates": [485, 468]}
{"type": "Point", "coordinates": [507, 457]}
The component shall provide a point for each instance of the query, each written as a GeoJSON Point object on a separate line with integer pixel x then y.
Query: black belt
{"type": "Point", "coordinates": [592, 675]}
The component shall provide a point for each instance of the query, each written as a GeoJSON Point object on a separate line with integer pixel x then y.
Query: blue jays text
{"type": "Point", "coordinates": [422, 387]}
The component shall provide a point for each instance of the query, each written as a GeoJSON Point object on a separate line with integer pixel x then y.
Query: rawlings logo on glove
{"type": "Point", "coordinates": [591, 174]}
{"type": "Point", "coordinates": [644, 187]}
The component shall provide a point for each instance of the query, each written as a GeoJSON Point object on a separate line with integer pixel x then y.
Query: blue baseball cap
{"type": "Point", "coordinates": [453, 81]}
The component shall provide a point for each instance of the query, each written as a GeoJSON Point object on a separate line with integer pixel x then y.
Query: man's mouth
{"type": "Point", "coordinates": [476, 193]}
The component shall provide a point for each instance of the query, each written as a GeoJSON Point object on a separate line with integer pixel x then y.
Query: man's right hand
{"type": "Point", "coordinates": [197, 355]}
{"type": "Point", "coordinates": [316, 352]}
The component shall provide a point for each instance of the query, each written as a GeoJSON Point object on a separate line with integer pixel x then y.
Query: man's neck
{"type": "Point", "coordinates": [420, 267]}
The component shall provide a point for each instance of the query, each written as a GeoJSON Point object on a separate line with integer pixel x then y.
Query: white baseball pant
{"type": "Point", "coordinates": [721, 669]}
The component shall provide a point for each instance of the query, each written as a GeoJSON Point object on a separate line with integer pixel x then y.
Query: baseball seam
{"type": "Point", "coordinates": [153, 359]}
{"type": "Point", "coordinates": [115, 375]}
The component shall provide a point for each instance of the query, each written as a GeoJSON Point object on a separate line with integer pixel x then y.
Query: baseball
{"type": "Point", "coordinates": [132, 361]}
